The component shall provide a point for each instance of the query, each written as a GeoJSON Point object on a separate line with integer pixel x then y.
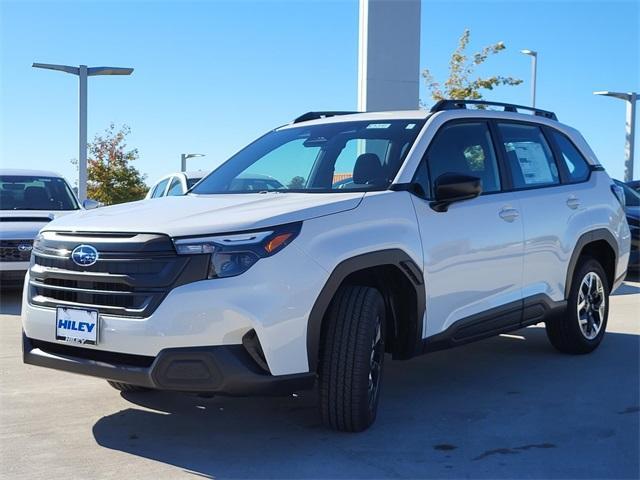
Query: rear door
{"type": "Point", "coordinates": [473, 251]}
{"type": "Point", "coordinates": [552, 195]}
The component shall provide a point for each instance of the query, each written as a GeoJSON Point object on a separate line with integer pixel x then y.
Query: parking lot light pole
{"type": "Point", "coordinates": [534, 72]}
{"type": "Point", "coordinates": [630, 128]}
{"type": "Point", "coordinates": [83, 72]}
{"type": "Point", "coordinates": [185, 156]}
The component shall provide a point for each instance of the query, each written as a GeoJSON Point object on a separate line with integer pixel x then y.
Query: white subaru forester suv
{"type": "Point", "coordinates": [393, 232]}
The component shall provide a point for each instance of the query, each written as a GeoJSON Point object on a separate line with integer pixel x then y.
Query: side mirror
{"type": "Point", "coordinates": [454, 187]}
{"type": "Point", "coordinates": [89, 204]}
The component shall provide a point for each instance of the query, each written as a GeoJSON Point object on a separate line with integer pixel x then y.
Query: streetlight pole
{"type": "Point", "coordinates": [534, 72]}
{"type": "Point", "coordinates": [185, 156]}
{"type": "Point", "coordinates": [82, 134]}
{"type": "Point", "coordinates": [83, 72]}
{"type": "Point", "coordinates": [630, 128]}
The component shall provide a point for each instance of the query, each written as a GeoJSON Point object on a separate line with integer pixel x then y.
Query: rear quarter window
{"type": "Point", "coordinates": [576, 165]}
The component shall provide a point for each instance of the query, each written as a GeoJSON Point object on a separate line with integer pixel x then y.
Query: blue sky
{"type": "Point", "coordinates": [210, 76]}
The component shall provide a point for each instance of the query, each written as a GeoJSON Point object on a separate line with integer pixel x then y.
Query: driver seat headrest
{"type": "Point", "coordinates": [367, 169]}
{"type": "Point", "coordinates": [36, 197]}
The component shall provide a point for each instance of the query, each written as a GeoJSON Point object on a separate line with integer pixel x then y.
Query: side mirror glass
{"type": "Point", "coordinates": [89, 204]}
{"type": "Point", "coordinates": [454, 187]}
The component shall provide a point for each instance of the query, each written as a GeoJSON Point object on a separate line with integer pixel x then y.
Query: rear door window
{"type": "Point", "coordinates": [528, 156]}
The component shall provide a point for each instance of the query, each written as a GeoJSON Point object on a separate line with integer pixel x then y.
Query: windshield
{"type": "Point", "coordinates": [22, 192]}
{"type": "Point", "coordinates": [334, 157]}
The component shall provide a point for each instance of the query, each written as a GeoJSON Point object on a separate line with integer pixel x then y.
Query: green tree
{"type": "Point", "coordinates": [462, 84]}
{"type": "Point", "coordinates": [296, 182]}
{"type": "Point", "coordinates": [111, 177]}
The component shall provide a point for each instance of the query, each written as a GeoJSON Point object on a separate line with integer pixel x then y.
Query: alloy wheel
{"type": "Point", "coordinates": [591, 305]}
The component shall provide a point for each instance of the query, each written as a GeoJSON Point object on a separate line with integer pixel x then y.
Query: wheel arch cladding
{"type": "Point", "coordinates": [599, 244]}
{"type": "Point", "coordinates": [401, 283]}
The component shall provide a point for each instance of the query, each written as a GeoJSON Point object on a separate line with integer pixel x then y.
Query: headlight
{"type": "Point", "coordinates": [235, 253]}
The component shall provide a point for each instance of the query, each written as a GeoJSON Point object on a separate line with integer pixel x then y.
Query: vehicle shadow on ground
{"type": "Point", "coordinates": [10, 300]}
{"type": "Point", "coordinates": [502, 408]}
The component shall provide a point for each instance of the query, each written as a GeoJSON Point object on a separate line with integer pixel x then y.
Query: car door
{"type": "Point", "coordinates": [473, 251]}
{"type": "Point", "coordinates": [553, 209]}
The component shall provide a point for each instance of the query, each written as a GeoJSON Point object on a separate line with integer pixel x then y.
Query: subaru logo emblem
{"type": "Point", "coordinates": [24, 247]}
{"type": "Point", "coordinates": [84, 255]}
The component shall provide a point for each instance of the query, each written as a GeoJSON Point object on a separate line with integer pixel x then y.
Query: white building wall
{"type": "Point", "coordinates": [389, 55]}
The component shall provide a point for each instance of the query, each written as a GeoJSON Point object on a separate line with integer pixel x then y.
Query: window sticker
{"type": "Point", "coordinates": [379, 125]}
{"type": "Point", "coordinates": [533, 162]}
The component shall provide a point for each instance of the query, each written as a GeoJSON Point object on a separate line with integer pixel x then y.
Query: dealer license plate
{"type": "Point", "coordinates": [77, 325]}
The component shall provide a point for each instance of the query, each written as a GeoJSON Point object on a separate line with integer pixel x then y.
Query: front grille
{"type": "Point", "coordinates": [131, 277]}
{"type": "Point", "coordinates": [15, 250]}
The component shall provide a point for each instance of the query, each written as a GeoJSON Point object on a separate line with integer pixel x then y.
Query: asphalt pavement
{"type": "Point", "coordinates": [507, 407]}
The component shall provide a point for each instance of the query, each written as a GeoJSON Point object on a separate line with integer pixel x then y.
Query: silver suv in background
{"type": "Point", "coordinates": [29, 199]}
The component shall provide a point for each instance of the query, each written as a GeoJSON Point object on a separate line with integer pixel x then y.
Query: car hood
{"type": "Point", "coordinates": [25, 224]}
{"type": "Point", "coordinates": [205, 214]}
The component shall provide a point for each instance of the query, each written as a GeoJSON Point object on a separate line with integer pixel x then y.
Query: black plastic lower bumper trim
{"type": "Point", "coordinates": [224, 369]}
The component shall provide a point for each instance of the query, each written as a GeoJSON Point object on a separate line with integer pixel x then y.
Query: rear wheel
{"type": "Point", "coordinates": [352, 359]}
{"type": "Point", "coordinates": [127, 387]}
{"type": "Point", "coordinates": [582, 328]}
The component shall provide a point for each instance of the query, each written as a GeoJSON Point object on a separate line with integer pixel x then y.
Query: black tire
{"type": "Point", "coordinates": [352, 359]}
{"type": "Point", "coordinates": [127, 387]}
{"type": "Point", "coordinates": [565, 333]}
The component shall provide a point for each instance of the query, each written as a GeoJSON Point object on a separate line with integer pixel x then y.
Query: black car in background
{"type": "Point", "coordinates": [632, 210]}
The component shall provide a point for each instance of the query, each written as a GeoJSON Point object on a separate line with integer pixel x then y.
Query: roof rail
{"type": "Point", "coordinates": [305, 117]}
{"type": "Point", "coordinates": [508, 107]}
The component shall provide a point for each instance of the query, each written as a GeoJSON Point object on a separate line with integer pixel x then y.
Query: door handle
{"type": "Point", "coordinates": [573, 202]}
{"type": "Point", "coordinates": [509, 214]}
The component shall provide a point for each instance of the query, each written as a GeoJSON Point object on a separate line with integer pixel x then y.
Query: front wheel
{"type": "Point", "coordinates": [582, 328]}
{"type": "Point", "coordinates": [352, 359]}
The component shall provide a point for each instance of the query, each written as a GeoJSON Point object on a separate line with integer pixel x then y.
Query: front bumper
{"type": "Point", "coordinates": [223, 369]}
{"type": "Point", "coordinates": [214, 313]}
